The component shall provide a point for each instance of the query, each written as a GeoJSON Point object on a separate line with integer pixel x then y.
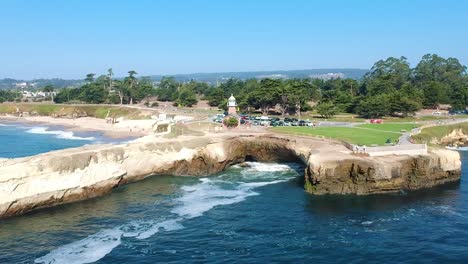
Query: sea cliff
{"type": "Point", "coordinates": [75, 174]}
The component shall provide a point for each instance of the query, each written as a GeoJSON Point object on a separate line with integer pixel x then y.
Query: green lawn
{"type": "Point", "coordinates": [98, 111]}
{"type": "Point", "coordinates": [422, 118]}
{"type": "Point", "coordinates": [392, 127]}
{"type": "Point", "coordinates": [353, 135]}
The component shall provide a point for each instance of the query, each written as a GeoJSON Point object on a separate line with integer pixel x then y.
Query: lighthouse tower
{"type": "Point", "coordinates": [232, 105]}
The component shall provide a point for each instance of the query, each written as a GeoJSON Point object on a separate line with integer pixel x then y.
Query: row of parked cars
{"type": "Point", "coordinates": [290, 122]}
{"type": "Point", "coordinates": [267, 121]}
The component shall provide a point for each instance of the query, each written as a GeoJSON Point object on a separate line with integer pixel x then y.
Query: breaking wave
{"type": "Point", "coordinates": [57, 133]}
{"type": "Point", "coordinates": [194, 201]}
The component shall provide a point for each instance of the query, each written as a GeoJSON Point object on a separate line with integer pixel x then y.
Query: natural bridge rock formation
{"type": "Point", "coordinates": [75, 174]}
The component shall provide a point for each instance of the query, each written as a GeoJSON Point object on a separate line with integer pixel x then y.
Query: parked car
{"type": "Point", "coordinates": [457, 112]}
{"type": "Point", "coordinates": [301, 123]}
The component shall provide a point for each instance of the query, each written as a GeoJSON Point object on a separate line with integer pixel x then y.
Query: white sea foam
{"type": "Point", "coordinates": [168, 225]}
{"type": "Point", "coordinates": [87, 250]}
{"type": "Point", "coordinates": [267, 167]}
{"type": "Point", "coordinates": [194, 202]}
{"type": "Point", "coordinates": [97, 246]}
{"type": "Point", "coordinates": [4, 125]}
{"type": "Point", "coordinates": [199, 198]}
{"type": "Point", "coordinates": [205, 195]}
{"type": "Point", "coordinates": [58, 133]}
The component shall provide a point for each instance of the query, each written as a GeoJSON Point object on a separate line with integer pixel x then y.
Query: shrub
{"type": "Point", "coordinates": [231, 121]}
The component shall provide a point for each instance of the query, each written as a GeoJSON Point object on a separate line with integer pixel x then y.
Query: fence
{"type": "Point", "coordinates": [412, 149]}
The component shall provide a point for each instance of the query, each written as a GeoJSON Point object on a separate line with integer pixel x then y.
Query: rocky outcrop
{"type": "Point", "coordinates": [75, 174]}
{"type": "Point", "coordinates": [456, 138]}
{"type": "Point", "coordinates": [382, 174]}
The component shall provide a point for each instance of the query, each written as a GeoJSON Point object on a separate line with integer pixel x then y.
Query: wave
{"type": "Point", "coordinates": [59, 133]}
{"type": "Point", "coordinates": [4, 125]}
{"type": "Point", "coordinates": [266, 167]}
{"type": "Point", "coordinates": [193, 202]}
{"type": "Point", "coordinates": [87, 250]}
{"type": "Point", "coordinates": [97, 246]}
{"type": "Point", "coordinates": [199, 198]}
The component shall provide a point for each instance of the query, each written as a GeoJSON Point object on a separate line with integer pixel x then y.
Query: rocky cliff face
{"type": "Point", "coordinates": [81, 173]}
{"type": "Point", "coordinates": [382, 174]}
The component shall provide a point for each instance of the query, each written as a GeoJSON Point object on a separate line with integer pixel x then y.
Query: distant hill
{"type": "Point", "coordinates": [212, 78]}
{"type": "Point", "coordinates": [314, 73]}
{"type": "Point", "coordinates": [8, 83]}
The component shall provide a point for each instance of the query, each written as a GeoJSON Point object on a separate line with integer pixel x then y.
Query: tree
{"type": "Point", "coordinates": [167, 89]}
{"type": "Point", "coordinates": [50, 90]}
{"type": "Point", "coordinates": [131, 81]}
{"type": "Point", "coordinates": [93, 93]}
{"type": "Point", "coordinates": [392, 72]}
{"type": "Point", "coordinates": [402, 105]}
{"type": "Point", "coordinates": [442, 80]}
{"type": "Point", "coordinates": [110, 74]}
{"type": "Point", "coordinates": [326, 110]}
{"type": "Point", "coordinates": [144, 88]}
{"type": "Point", "coordinates": [121, 90]}
{"type": "Point", "coordinates": [292, 95]}
{"type": "Point", "coordinates": [90, 77]}
{"type": "Point", "coordinates": [186, 97]}
{"type": "Point", "coordinates": [216, 97]}
{"type": "Point", "coordinates": [266, 95]}
{"type": "Point", "coordinates": [374, 106]}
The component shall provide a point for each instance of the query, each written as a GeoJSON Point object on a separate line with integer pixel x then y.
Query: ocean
{"type": "Point", "coordinates": [22, 139]}
{"type": "Point", "coordinates": [254, 214]}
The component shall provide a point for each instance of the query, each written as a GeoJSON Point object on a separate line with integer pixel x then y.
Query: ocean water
{"type": "Point", "coordinates": [258, 214]}
{"type": "Point", "coordinates": [21, 140]}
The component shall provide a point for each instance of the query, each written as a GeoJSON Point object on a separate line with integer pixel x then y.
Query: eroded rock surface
{"type": "Point", "coordinates": [75, 174]}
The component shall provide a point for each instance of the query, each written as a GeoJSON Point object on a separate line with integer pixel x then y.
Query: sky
{"type": "Point", "coordinates": [68, 39]}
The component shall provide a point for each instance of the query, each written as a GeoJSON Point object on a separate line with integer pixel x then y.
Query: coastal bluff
{"type": "Point", "coordinates": [75, 174]}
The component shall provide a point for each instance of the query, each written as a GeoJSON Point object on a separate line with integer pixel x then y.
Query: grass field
{"type": "Point", "coordinates": [98, 111]}
{"type": "Point", "coordinates": [427, 134]}
{"type": "Point", "coordinates": [391, 127]}
{"type": "Point", "coordinates": [354, 135]}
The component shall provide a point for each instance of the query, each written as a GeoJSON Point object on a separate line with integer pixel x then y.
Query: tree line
{"type": "Point", "coordinates": [8, 96]}
{"type": "Point", "coordinates": [391, 87]}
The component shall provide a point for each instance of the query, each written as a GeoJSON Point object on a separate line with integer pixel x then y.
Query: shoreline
{"type": "Point", "coordinates": [82, 124]}
{"type": "Point", "coordinates": [71, 175]}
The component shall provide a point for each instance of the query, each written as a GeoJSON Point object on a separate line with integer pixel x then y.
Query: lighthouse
{"type": "Point", "coordinates": [232, 105]}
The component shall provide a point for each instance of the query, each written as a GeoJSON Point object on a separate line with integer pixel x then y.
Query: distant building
{"type": "Point", "coordinates": [328, 76]}
{"type": "Point", "coordinates": [21, 85]}
{"type": "Point", "coordinates": [232, 105]}
{"type": "Point", "coordinates": [272, 76]}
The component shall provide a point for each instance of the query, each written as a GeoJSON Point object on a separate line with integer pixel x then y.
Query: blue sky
{"type": "Point", "coordinates": [67, 39]}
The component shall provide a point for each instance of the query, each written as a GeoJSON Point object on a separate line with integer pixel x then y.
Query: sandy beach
{"type": "Point", "coordinates": [125, 129]}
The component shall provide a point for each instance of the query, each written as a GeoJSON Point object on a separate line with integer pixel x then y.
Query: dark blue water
{"type": "Point", "coordinates": [20, 140]}
{"type": "Point", "coordinates": [244, 215]}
